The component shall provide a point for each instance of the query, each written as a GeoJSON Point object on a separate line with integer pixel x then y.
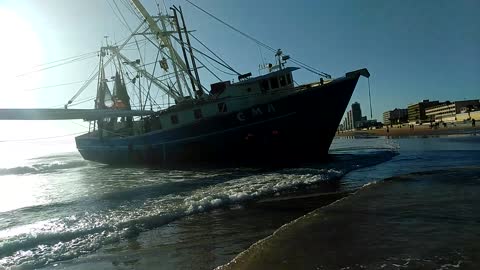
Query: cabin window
{"type": "Point", "coordinates": [282, 80]}
{"type": "Point", "coordinates": [198, 113]}
{"type": "Point", "coordinates": [289, 78]}
{"type": "Point", "coordinates": [264, 85]}
{"type": "Point", "coordinates": [222, 107]}
{"type": "Point", "coordinates": [174, 119]}
{"type": "Point", "coordinates": [274, 82]}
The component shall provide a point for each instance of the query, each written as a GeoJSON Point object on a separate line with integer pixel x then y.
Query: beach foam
{"type": "Point", "coordinates": [107, 218]}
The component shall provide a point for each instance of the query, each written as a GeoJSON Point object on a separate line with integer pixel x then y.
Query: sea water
{"type": "Point", "coordinates": [59, 211]}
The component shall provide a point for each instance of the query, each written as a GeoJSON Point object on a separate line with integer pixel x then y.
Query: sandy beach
{"type": "Point", "coordinates": [418, 130]}
{"type": "Point", "coordinates": [371, 230]}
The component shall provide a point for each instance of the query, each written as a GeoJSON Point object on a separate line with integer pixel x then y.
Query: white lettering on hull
{"type": "Point", "coordinates": [241, 116]}
{"type": "Point", "coordinates": [255, 112]}
{"type": "Point", "coordinates": [270, 108]}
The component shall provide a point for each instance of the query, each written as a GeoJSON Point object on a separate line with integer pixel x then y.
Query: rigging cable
{"type": "Point", "coordinates": [211, 58]}
{"type": "Point", "coordinates": [65, 59]}
{"type": "Point", "coordinates": [52, 86]}
{"type": "Point", "coordinates": [228, 73]}
{"type": "Point", "coordinates": [58, 65]}
{"type": "Point", "coordinates": [118, 17]}
{"type": "Point", "coordinates": [225, 63]}
{"type": "Point", "coordinates": [43, 138]}
{"type": "Point", "coordinates": [95, 73]}
{"type": "Point", "coordinates": [134, 85]}
{"type": "Point", "coordinates": [211, 72]}
{"type": "Point", "coordinates": [132, 10]}
{"type": "Point", "coordinates": [307, 67]}
{"type": "Point", "coordinates": [151, 82]}
{"type": "Point", "coordinates": [73, 104]}
{"type": "Point", "coordinates": [233, 28]}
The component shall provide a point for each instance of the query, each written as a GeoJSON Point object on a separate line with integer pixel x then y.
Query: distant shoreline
{"type": "Point", "coordinates": [420, 130]}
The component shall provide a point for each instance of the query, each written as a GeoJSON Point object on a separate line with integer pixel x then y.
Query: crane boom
{"type": "Point", "coordinates": [162, 36]}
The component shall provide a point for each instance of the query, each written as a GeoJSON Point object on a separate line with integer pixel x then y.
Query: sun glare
{"type": "Point", "coordinates": [20, 50]}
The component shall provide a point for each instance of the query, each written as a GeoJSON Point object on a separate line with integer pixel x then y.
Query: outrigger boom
{"type": "Point", "coordinates": [65, 114]}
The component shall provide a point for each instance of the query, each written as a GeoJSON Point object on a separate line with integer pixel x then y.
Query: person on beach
{"type": "Point", "coordinates": [473, 122]}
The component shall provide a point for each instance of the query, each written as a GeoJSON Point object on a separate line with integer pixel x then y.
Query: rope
{"type": "Point", "coordinates": [370, 99]}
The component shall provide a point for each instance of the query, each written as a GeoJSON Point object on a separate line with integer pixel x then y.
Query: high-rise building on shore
{"type": "Point", "coordinates": [355, 120]}
{"type": "Point", "coordinates": [356, 113]}
{"type": "Point", "coordinates": [416, 112]}
{"type": "Point", "coordinates": [350, 120]}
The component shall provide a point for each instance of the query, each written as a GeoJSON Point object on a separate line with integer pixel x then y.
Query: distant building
{"type": "Point", "coordinates": [416, 112]}
{"type": "Point", "coordinates": [355, 120]}
{"type": "Point", "coordinates": [350, 119]}
{"type": "Point", "coordinates": [368, 123]}
{"type": "Point", "coordinates": [395, 116]}
{"type": "Point", "coordinates": [347, 125]}
{"type": "Point", "coordinates": [356, 113]}
{"type": "Point", "coordinates": [468, 116]}
{"type": "Point", "coordinates": [344, 125]}
{"type": "Point", "coordinates": [387, 117]}
{"type": "Point", "coordinates": [447, 111]}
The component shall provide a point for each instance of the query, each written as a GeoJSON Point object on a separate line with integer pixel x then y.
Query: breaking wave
{"type": "Point", "coordinates": [83, 226]}
{"type": "Point", "coordinates": [43, 167]}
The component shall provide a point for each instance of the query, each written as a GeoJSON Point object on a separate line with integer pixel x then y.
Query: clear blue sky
{"type": "Point", "coordinates": [414, 49]}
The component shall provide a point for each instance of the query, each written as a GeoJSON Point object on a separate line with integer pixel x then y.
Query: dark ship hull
{"type": "Point", "coordinates": [297, 127]}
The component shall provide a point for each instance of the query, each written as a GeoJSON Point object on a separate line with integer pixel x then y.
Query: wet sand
{"type": "Point", "coordinates": [423, 130]}
{"type": "Point", "coordinates": [428, 220]}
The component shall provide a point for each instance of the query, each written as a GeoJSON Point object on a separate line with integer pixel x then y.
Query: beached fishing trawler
{"type": "Point", "coordinates": [262, 119]}
{"type": "Point", "coordinates": [256, 119]}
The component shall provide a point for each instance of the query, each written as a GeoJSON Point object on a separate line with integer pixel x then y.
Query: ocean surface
{"type": "Point", "coordinates": [58, 211]}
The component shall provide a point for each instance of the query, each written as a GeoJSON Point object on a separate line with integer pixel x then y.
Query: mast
{"type": "Point", "coordinates": [180, 36]}
{"type": "Point", "coordinates": [200, 89]}
{"type": "Point", "coordinates": [165, 88]}
{"type": "Point", "coordinates": [100, 78]}
{"type": "Point", "coordinates": [140, 93]}
{"type": "Point", "coordinates": [163, 37]}
{"type": "Point", "coordinates": [89, 81]}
